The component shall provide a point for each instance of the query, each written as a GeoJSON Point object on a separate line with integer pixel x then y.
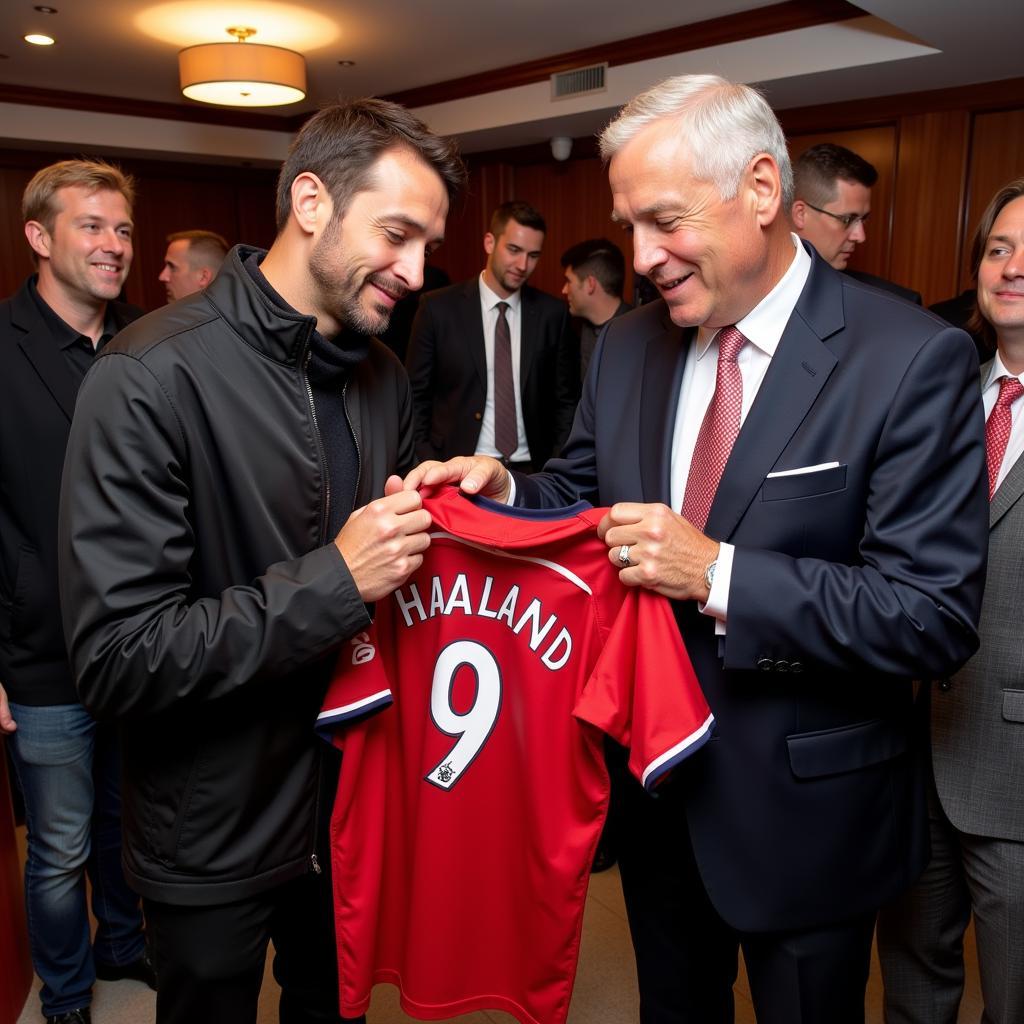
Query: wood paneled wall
{"type": "Point", "coordinates": [940, 157]}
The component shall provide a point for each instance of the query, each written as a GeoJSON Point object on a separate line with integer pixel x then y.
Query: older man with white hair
{"type": "Point", "coordinates": [798, 462]}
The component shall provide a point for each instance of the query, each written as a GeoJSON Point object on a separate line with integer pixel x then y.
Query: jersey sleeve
{"type": "Point", "coordinates": [643, 691]}
{"type": "Point", "coordinates": [359, 687]}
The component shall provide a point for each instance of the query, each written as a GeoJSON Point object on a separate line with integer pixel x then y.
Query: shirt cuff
{"type": "Point", "coordinates": [717, 605]}
{"type": "Point", "coordinates": [511, 499]}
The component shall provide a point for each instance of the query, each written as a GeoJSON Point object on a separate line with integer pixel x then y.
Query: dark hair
{"type": "Point", "coordinates": [817, 170]}
{"type": "Point", "coordinates": [520, 212]}
{"type": "Point", "coordinates": [977, 324]}
{"type": "Point", "coordinates": [342, 142]}
{"type": "Point", "coordinates": [599, 257]}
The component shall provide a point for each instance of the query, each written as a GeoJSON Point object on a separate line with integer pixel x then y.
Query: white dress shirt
{"type": "Point", "coordinates": [989, 394]}
{"type": "Point", "coordinates": [762, 327]}
{"type": "Point", "coordinates": [489, 310]}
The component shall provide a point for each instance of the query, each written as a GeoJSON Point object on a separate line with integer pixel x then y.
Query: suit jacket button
{"type": "Point", "coordinates": [796, 667]}
{"type": "Point", "coordinates": [765, 664]}
{"type": "Point", "coordinates": [945, 685]}
{"type": "Point", "coordinates": [782, 665]}
{"type": "Point", "coordinates": [478, 416]}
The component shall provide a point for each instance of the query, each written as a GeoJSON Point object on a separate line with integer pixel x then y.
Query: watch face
{"type": "Point", "coordinates": [709, 574]}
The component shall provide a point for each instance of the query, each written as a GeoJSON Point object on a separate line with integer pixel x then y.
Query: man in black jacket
{"type": "Point", "coordinates": [78, 221]}
{"type": "Point", "coordinates": [213, 565]}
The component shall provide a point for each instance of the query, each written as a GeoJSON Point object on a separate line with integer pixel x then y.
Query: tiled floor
{"type": "Point", "coordinates": [605, 990]}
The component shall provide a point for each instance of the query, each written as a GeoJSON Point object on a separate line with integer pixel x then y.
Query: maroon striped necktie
{"type": "Point", "coordinates": [506, 432]}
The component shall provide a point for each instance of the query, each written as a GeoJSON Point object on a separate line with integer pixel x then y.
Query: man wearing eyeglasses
{"type": "Point", "coordinates": [832, 189]}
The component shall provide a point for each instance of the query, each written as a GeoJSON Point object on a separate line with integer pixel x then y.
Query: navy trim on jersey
{"type": "Point", "coordinates": [534, 514]}
{"type": "Point", "coordinates": [329, 719]}
{"type": "Point", "coordinates": [659, 768]}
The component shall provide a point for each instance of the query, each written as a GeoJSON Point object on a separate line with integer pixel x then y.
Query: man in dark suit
{"type": "Point", "coordinates": [832, 189]}
{"type": "Point", "coordinates": [492, 363]}
{"type": "Point", "coordinates": [824, 442]}
{"type": "Point", "coordinates": [976, 804]}
{"type": "Point", "coordinates": [78, 222]}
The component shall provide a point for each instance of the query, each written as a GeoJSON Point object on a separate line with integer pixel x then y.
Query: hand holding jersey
{"type": "Point", "coordinates": [474, 474]}
{"type": "Point", "coordinates": [667, 553]}
{"type": "Point", "coordinates": [383, 543]}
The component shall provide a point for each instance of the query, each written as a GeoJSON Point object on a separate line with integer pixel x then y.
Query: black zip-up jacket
{"type": "Point", "coordinates": [203, 601]}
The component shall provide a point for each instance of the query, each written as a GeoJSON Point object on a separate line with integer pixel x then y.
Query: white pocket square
{"type": "Point", "coordinates": [804, 469]}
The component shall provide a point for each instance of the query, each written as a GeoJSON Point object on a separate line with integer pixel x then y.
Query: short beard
{"type": "Point", "coordinates": [339, 287]}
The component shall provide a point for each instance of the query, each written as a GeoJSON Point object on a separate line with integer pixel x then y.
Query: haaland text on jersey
{"type": "Point", "coordinates": [458, 599]}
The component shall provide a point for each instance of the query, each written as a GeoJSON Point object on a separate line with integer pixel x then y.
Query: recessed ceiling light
{"type": "Point", "coordinates": [38, 39]}
{"type": "Point", "coordinates": [45, 10]}
{"type": "Point", "coordinates": [346, 63]}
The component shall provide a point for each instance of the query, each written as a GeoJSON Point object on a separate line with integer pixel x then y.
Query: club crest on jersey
{"type": "Point", "coordinates": [447, 598]}
{"type": "Point", "coordinates": [363, 651]}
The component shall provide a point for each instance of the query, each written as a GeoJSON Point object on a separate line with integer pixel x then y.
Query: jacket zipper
{"type": "Point", "coordinates": [355, 441]}
{"type": "Point", "coordinates": [325, 510]}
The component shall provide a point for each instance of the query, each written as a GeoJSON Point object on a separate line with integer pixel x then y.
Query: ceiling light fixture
{"type": "Point", "coordinates": [242, 74]}
{"type": "Point", "coordinates": [38, 39]}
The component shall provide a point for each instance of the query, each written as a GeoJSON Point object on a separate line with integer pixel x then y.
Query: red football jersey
{"type": "Point", "coordinates": [467, 814]}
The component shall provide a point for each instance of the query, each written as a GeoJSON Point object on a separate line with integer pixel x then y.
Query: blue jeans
{"type": "Point", "coordinates": [68, 767]}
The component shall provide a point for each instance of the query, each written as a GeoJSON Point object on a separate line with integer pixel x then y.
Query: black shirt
{"type": "Point", "coordinates": [78, 349]}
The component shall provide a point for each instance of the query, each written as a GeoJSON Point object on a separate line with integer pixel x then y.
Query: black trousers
{"type": "Point", "coordinates": [210, 960]}
{"type": "Point", "coordinates": [687, 956]}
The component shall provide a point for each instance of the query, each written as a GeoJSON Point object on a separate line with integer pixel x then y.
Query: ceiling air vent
{"type": "Point", "coordinates": [578, 82]}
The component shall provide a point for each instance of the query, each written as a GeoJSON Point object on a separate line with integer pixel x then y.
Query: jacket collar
{"type": "Point", "coordinates": [42, 349]}
{"type": "Point", "coordinates": [280, 333]}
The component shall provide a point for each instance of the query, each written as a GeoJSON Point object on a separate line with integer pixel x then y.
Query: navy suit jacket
{"type": "Point", "coordinates": [807, 805]}
{"type": "Point", "coordinates": [447, 365]}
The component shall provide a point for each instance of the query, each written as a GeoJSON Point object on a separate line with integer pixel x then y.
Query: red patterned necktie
{"type": "Point", "coordinates": [997, 428]}
{"type": "Point", "coordinates": [718, 431]}
{"type": "Point", "coordinates": [506, 432]}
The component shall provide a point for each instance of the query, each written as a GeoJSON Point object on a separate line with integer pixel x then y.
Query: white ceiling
{"type": "Point", "coordinates": [124, 48]}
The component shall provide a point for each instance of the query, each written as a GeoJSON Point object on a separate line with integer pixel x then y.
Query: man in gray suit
{"type": "Point", "coordinates": [977, 716]}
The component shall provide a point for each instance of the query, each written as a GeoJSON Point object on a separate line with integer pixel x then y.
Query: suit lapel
{"type": "Point", "coordinates": [798, 371]}
{"type": "Point", "coordinates": [527, 333]}
{"type": "Point", "coordinates": [1007, 494]}
{"type": "Point", "coordinates": [474, 329]}
{"type": "Point", "coordinates": [43, 353]}
{"type": "Point", "coordinates": [665, 357]}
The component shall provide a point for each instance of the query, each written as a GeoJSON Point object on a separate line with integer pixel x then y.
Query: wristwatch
{"type": "Point", "coordinates": [709, 574]}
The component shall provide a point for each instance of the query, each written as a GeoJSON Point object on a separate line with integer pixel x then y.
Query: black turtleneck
{"type": "Point", "coordinates": [328, 364]}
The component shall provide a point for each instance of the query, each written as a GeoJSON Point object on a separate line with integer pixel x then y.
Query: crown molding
{"type": "Point", "coordinates": [763, 21]}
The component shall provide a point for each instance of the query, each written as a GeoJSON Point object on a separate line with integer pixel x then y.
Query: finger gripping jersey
{"type": "Point", "coordinates": [469, 808]}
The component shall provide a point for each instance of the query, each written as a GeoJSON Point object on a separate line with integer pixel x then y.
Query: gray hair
{"type": "Point", "coordinates": [725, 124]}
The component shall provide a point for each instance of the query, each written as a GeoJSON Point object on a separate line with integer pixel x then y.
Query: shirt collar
{"type": "Point", "coordinates": [996, 371]}
{"type": "Point", "coordinates": [62, 332]}
{"type": "Point", "coordinates": [763, 326]}
{"type": "Point", "coordinates": [490, 299]}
